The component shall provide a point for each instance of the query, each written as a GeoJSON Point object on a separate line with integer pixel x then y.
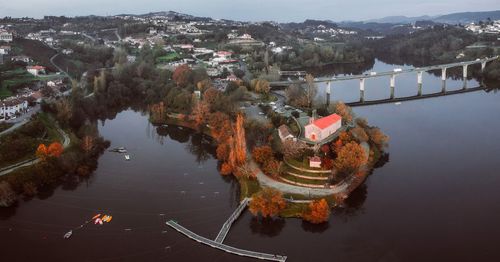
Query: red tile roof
{"type": "Point", "coordinates": [327, 121]}
{"type": "Point", "coordinates": [37, 67]}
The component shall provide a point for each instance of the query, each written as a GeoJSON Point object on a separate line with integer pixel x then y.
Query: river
{"type": "Point", "coordinates": [436, 199]}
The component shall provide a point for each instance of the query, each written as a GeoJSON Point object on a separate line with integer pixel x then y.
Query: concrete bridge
{"type": "Point", "coordinates": [292, 73]}
{"type": "Point", "coordinates": [393, 74]}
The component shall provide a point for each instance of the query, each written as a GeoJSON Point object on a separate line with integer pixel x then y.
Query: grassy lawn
{"type": "Point", "coordinates": [22, 143]}
{"type": "Point", "coordinates": [4, 92]}
{"type": "Point", "coordinates": [248, 187]}
{"type": "Point", "coordinates": [285, 168]}
{"type": "Point", "coordinates": [294, 210]}
{"type": "Point", "coordinates": [168, 58]}
{"type": "Point", "coordinates": [302, 180]}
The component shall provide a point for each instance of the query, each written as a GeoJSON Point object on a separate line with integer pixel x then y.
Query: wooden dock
{"type": "Point", "coordinates": [217, 243]}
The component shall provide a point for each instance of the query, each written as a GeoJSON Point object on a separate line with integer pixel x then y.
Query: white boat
{"type": "Point", "coordinates": [68, 235]}
{"type": "Point", "coordinates": [127, 157]}
{"type": "Point", "coordinates": [397, 103]}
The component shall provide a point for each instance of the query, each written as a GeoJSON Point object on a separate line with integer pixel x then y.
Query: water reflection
{"type": "Point", "coordinates": [315, 228]}
{"type": "Point", "coordinates": [267, 227]}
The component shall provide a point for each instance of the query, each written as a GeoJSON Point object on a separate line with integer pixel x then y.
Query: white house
{"type": "Point", "coordinates": [5, 50]}
{"type": "Point", "coordinates": [284, 133]}
{"type": "Point", "coordinates": [315, 161]}
{"type": "Point", "coordinates": [319, 129]}
{"type": "Point", "coordinates": [21, 58]}
{"type": "Point", "coordinates": [5, 36]}
{"type": "Point", "coordinates": [36, 70]}
{"type": "Point", "coordinates": [10, 107]}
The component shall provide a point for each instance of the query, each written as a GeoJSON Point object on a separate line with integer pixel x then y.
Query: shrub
{"type": "Point", "coordinates": [7, 195]}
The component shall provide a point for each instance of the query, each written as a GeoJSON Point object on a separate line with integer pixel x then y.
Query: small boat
{"type": "Point", "coordinates": [98, 221]}
{"type": "Point", "coordinates": [127, 157]}
{"type": "Point", "coordinates": [397, 103]}
{"type": "Point", "coordinates": [68, 235]}
{"type": "Point", "coordinates": [109, 218]}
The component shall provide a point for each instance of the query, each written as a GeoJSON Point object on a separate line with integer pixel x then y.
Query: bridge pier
{"type": "Point", "coordinates": [393, 85]}
{"type": "Point", "coordinates": [328, 92]}
{"type": "Point", "coordinates": [483, 66]}
{"type": "Point", "coordinates": [362, 90]}
{"type": "Point", "coordinates": [443, 73]}
{"type": "Point", "coordinates": [419, 82]}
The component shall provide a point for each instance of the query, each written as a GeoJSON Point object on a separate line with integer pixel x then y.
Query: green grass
{"type": "Point", "coordinates": [302, 180]}
{"type": "Point", "coordinates": [4, 92]}
{"type": "Point", "coordinates": [286, 167]}
{"type": "Point", "coordinates": [248, 187]}
{"type": "Point", "coordinates": [294, 210]}
{"type": "Point", "coordinates": [168, 58]}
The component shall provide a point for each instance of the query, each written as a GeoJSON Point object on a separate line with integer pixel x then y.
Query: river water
{"type": "Point", "coordinates": [436, 199]}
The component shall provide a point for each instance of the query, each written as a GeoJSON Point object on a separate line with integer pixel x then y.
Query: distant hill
{"type": "Point", "coordinates": [467, 17]}
{"type": "Point", "coordinates": [399, 19]}
{"type": "Point", "coordinates": [454, 18]}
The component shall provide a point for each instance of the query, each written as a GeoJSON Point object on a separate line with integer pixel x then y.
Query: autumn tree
{"type": "Point", "coordinates": [41, 151]}
{"type": "Point", "coordinates": [158, 112]}
{"type": "Point", "coordinates": [240, 146]}
{"type": "Point", "coordinates": [87, 144]}
{"type": "Point", "coordinates": [293, 149]}
{"type": "Point", "coordinates": [317, 212]}
{"type": "Point", "coordinates": [7, 195]}
{"type": "Point", "coordinates": [343, 110]}
{"type": "Point", "coordinates": [350, 158]}
{"type": "Point", "coordinates": [55, 150]}
{"type": "Point", "coordinates": [64, 112]}
{"type": "Point", "coordinates": [200, 113]}
{"type": "Point", "coordinates": [262, 154]}
{"type": "Point", "coordinates": [311, 90]}
{"type": "Point", "coordinates": [267, 203]}
{"type": "Point", "coordinates": [360, 134]}
{"type": "Point", "coordinates": [272, 167]}
{"type": "Point", "coordinates": [260, 86]}
{"type": "Point", "coordinates": [182, 75]}
{"type": "Point", "coordinates": [378, 138]}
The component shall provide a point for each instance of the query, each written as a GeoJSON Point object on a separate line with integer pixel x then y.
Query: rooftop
{"type": "Point", "coordinates": [327, 121]}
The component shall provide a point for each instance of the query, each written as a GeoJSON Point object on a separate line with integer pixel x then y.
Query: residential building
{"type": "Point", "coordinates": [5, 50]}
{"type": "Point", "coordinates": [315, 162]}
{"type": "Point", "coordinates": [36, 70]}
{"type": "Point", "coordinates": [21, 58]}
{"type": "Point", "coordinates": [284, 133]}
{"type": "Point", "coordinates": [5, 36]}
{"type": "Point", "coordinates": [319, 129]}
{"type": "Point", "coordinates": [13, 106]}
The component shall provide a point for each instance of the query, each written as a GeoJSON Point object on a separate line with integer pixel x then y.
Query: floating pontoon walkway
{"type": "Point", "coordinates": [227, 225]}
{"type": "Point", "coordinates": [217, 243]}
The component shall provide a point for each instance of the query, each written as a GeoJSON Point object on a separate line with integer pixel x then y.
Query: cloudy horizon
{"type": "Point", "coordinates": [257, 10]}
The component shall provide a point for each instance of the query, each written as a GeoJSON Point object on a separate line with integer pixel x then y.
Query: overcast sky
{"type": "Point", "coordinates": [249, 10]}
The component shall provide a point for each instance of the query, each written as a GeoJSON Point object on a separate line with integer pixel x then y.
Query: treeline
{"type": "Point", "coordinates": [440, 44]}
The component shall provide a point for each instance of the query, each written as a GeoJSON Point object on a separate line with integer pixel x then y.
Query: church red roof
{"type": "Point", "coordinates": [327, 121]}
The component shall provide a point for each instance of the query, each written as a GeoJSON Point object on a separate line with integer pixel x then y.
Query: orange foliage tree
{"type": "Point", "coordinates": [41, 151]}
{"type": "Point", "coordinates": [53, 150]}
{"type": "Point", "coordinates": [200, 113]}
{"type": "Point", "coordinates": [262, 154]}
{"type": "Point", "coordinates": [182, 75]}
{"type": "Point", "coordinates": [350, 158]}
{"type": "Point", "coordinates": [267, 203]}
{"type": "Point", "coordinates": [317, 212]}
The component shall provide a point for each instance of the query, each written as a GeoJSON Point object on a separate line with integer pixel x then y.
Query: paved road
{"type": "Point", "coordinates": [21, 120]}
{"type": "Point", "coordinates": [29, 162]}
